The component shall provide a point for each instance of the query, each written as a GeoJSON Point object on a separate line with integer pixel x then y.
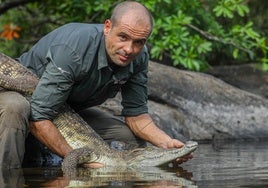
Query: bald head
{"type": "Point", "coordinates": [126, 32]}
{"type": "Point", "coordinates": [131, 10]}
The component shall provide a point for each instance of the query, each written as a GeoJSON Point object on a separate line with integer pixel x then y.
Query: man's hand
{"type": "Point", "coordinates": [144, 127]}
{"type": "Point", "coordinates": [173, 143]}
{"type": "Point", "coordinates": [46, 132]}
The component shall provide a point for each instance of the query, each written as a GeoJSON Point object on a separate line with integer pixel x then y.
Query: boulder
{"type": "Point", "coordinates": [249, 77]}
{"type": "Point", "coordinates": [199, 106]}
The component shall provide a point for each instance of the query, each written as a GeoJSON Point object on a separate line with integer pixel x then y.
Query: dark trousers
{"type": "Point", "coordinates": [111, 128]}
{"type": "Point", "coordinates": [14, 113]}
{"type": "Point", "coordinates": [14, 128]}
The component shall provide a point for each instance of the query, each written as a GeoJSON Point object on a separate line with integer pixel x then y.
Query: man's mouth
{"type": "Point", "coordinates": [123, 58]}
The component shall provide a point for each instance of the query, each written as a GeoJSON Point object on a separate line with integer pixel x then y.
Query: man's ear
{"type": "Point", "coordinates": [107, 26]}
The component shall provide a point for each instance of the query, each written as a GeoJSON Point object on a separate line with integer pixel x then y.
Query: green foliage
{"type": "Point", "coordinates": [227, 8]}
{"type": "Point", "coordinates": [172, 37]}
{"type": "Point", "coordinates": [192, 34]}
{"type": "Point", "coordinates": [38, 18]}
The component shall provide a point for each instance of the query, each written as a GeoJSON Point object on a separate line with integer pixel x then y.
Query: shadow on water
{"type": "Point", "coordinates": [238, 164]}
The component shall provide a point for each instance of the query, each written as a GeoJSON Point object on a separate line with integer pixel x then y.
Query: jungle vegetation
{"type": "Point", "coordinates": [188, 34]}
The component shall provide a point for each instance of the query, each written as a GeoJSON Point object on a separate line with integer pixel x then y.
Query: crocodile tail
{"type": "Point", "coordinates": [16, 77]}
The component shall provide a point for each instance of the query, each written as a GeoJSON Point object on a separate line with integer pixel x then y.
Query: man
{"type": "Point", "coordinates": [83, 65]}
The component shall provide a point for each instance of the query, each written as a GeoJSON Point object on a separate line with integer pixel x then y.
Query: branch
{"type": "Point", "coordinates": [217, 39]}
{"type": "Point", "coordinates": [5, 6]}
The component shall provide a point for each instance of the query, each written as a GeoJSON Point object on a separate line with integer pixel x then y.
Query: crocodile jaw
{"type": "Point", "coordinates": [153, 156]}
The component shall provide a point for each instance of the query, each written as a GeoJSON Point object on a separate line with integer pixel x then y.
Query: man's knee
{"type": "Point", "coordinates": [14, 110]}
{"type": "Point", "coordinates": [14, 114]}
{"type": "Point", "coordinates": [14, 99]}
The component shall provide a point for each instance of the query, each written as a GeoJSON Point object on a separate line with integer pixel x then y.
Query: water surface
{"type": "Point", "coordinates": [237, 164]}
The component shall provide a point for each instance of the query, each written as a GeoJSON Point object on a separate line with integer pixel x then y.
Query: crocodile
{"type": "Point", "coordinates": [87, 145]}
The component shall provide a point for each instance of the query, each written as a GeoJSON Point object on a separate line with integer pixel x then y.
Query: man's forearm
{"type": "Point", "coordinates": [48, 134]}
{"type": "Point", "coordinates": [144, 127]}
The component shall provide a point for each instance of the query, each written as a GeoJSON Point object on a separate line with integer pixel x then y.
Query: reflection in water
{"type": "Point", "coordinates": [104, 177]}
{"type": "Point", "coordinates": [127, 177]}
{"type": "Point", "coordinates": [242, 164]}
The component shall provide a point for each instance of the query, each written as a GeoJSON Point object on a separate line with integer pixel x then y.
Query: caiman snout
{"type": "Point", "coordinates": [153, 156]}
{"type": "Point", "coordinates": [191, 145]}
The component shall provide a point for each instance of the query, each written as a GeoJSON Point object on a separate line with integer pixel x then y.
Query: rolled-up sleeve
{"type": "Point", "coordinates": [56, 82]}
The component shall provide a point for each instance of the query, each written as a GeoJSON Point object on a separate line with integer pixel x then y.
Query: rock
{"type": "Point", "coordinates": [199, 106]}
{"type": "Point", "coordinates": [249, 77]}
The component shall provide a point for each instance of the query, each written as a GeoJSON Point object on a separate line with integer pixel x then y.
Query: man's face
{"type": "Point", "coordinates": [125, 40]}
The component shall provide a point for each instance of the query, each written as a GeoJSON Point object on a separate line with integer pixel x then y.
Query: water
{"type": "Point", "coordinates": [239, 164]}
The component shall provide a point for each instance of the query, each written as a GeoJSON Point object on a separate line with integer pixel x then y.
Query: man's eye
{"type": "Point", "coordinates": [140, 42]}
{"type": "Point", "coordinates": [122, 37]}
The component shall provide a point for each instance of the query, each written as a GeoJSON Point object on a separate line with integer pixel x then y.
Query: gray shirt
{"type": "Point", "coordinates": [72, 65]}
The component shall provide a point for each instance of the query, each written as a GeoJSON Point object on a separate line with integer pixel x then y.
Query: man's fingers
{"type": "Point", "coordinates": [177, 143]}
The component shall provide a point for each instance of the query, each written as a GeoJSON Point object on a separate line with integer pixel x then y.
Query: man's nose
{"type": "Point", "coordinates": [128, 48]}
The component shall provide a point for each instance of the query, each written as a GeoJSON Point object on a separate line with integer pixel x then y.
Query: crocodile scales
{"type": "Point", "coordinates": [87, 144]}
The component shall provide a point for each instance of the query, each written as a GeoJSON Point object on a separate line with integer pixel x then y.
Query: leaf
{"type": "Point", "coordinates": [242, 10]}
{"type": "Point", "coordinates": [218, 11]}
{"type": "Point", "coordinates": [204, 47]}
{"type": "Point", "coordinates": [227, 13]}
{"type": "Point", "coordinates": [252, 34]}
{"type": "Point", "coordinates": [265, 66]}
{"type": "Point", "coordinates": [235, 53]}
{"type": "Point", "coordinates": [196, 64]}
{"type": "Point", "coordinates": [10, 32]}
